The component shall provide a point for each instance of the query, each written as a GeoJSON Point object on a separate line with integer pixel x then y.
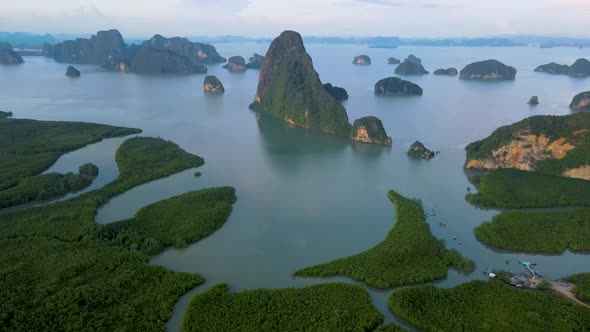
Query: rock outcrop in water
{"type": "Point", "coordinates": [101, 48]}
{"type": "Point", "coordinates": [159, 61]}
{"type": "Point", "coordinates": [581, 102]}
{"type": "Point", "coordinates": [418, 150]}
{"type": "Point", "coordinates": [369, 130]}
{"type": "Point", "coordinates": [534, 100]}
{"type": "Point", "coordinates": [8, 56]}
{"type": "Point", "coordinates": [255, 61]}
{"type": "Point", "coordinates": [235, 64]}
{"type": "Point", "coordinates": [362, 60]}
{"type": "Point", "coordinates": [72, 72]}
{"type": "Point", "coordinates": [213, 85]}
{"type": "Point", "coordinates": [196, 52]}
{"type": "Point", "coordinates": [553, 68]}
{"type": "Point", "coordinates": [394, 61]}
{"type": "Point", "coordinates": [550, 144]}
{"type": "Point", "coordinates": [580, 68]}
{"type": "Point", "coordinates": [289, 88]}
{"type": "Point", "coordinates": [395, 86]}
{"type": "Point", "coordinates": [447, 72]}
{"type": "Point", "coordinates": [336, 92]}
{"type": "Point", "coordinates": [488, 70]}
{"type": "Point", "coordinates": [412, 65]}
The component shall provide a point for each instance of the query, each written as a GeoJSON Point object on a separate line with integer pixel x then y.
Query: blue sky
{"type": "Point", "coordinates": [267, 18]}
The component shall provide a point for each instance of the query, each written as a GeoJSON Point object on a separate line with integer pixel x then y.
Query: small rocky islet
{"type": "Point", "coordinates": [393, 61]}
{"type": "Point", "coordinates": [488, 70]}
{"type": "Point", "coordinates": [395, 86]}
{"type": "Point", "coordinates": [580, 68]}
{"type": "Point", "coordinates": [446, 72]}
{"type": "Point", "coordinates": [337, 92]}
{"type": "Point", "coordinates": [418, 150]}
{"type": "Point", "coordinates": [412, 65]}
{"type": "Point", "coordinates": [255, 61]}
{"type": "Point", "coordinates": [235, 64]}
{"type": "Point", "coordinates": [71, 71]}
{"type": "Point", "coordinates": [212, 85]}
{"type": "Point", "coordinates": [363, 60]}
{"type": "Point", "coordinates": [289, 88]}
{"type": "Point", "coordinates": [534, 100]}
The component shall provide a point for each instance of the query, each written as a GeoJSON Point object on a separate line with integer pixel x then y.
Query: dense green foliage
{"type": "Point", "coordinates": [46, 186]}
{"type": "Point", "coordinates": [582, 282]}
{"type": "Point", "coordinates": [28, 147]}
{"type": "Point", "coordinates": [574, 128]}
{"type": "Point", "coordinates": [327, 307]}
{"type": "Point", "coordinates": [177, 221]}
{"type": "Point", "coordinates": [512, 188]}
{"type": "Point", "coordinates": [545, 231]}
{"type": "Point", "coordinates": [487, 306]}
{"type": "Point", "coordinates": [289, 88]}
{"type": "Point", "coordinates": [4, 115]}
{"type": "Point", "coordinates": [56, 275]}
{"type": "Point", "coordinates": [409, 254]}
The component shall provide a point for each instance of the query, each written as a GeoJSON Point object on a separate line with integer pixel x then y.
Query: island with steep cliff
{"type": "Point", "coordinates": [412, 65]}
{"type": "Point", "coordinates": [395, 86]}
{"type": "Point", "coordinates": [336, 91]}
{"type": "Point", "coordinates": [418, 150]}
{"type": "Point", "coordinates": [72, 71]}
{"type": "Point", "coordinates": [290, 89]}
{"type": "Point", "coordinates": [580, 68]}
{"type": "Point", "coordinates": [212, 85]}
{"type": "Point", "coordinates": [8, 56]}
{"type": "Point", "coordinates": [446, 72]}
{"type": "Point", "coordinates": [161, 61]}
{"type": "Point", "coordinates": [554, 145]}
{"type": "Point", "coordinates": [362, 60]}
{"type": "Point", "coordinates": [369, 130]}
{"type": "Point", "coordinates": [394, 61]}
{"type": "Point", "coordinates": [255, 61]}
{"type": "Point", "coordinates": [581, 102]}
{"type": "Point", "coordinates": [196, 52]}
{"type": "Point", "coordinates": [235, 64]}
{"type": "Point", "coordinates": [488, 70]}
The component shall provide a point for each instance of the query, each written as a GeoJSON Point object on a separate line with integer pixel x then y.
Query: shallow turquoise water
{"type": "Point", "coordinates": [305, 197]}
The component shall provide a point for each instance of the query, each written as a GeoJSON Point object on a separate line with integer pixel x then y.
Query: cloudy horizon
{"type": "Point", "coordinates": [267, 18]}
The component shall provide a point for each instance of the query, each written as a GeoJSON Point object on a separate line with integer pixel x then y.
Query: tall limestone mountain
{"type": "Point", "coordinates": [196, 52]}
{"type": "Point", "coordinates": [8, 56]}
{"type": "Point", "coordinates": [289, 88]}
{"type": "Point", "coordinates": [101, 48]}
{"type": "Point", "coordinates": [557, 145]}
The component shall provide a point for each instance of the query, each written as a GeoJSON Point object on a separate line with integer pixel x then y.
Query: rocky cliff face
{"type": "Point", "coordinates": [47, 50]}
{"type": "Point", "coordinates": [581, 102]}
{"type": "Point", "coordinates": [362, 60]}
{"type": "Point", "coordinates": [196, 52]}
{"type": "Point", "coordinates": [369, 130]}
{"type": "Point", "coordinates": [397, 87]}
{"type": "Point", "coordinates": [447, 72]}
{"type": "Point", "coordinates": [255, 61]}
{"type": "Point", "coordinates": [289, 88]}
{"type": "Point", "coordinates": [488, 70]}
{"type": "Point", "coordinates": [522, 152]}
{"type": "Point", "coordinates": [99, 49]}
{"type": "Point", "coordinates": [158, 61]}
{"type": "Point", "coordinates": [8, 56]}
{"type": "Point", "coordinates": [555, 145]}
{"type": "Point", "coordinates": [235, 64]}
{"type": "Point", "coordinates": [213, 85]}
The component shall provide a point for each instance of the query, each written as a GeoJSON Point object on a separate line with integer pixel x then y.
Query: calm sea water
{"type": "Point", "coordinates": [305, 197]}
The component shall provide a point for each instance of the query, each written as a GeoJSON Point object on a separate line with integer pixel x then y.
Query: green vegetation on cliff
{"type": "Point", "coordinates": [573, 128]}
{"type": "Point", "coordinates": [409, 254]}
{"type": "Point", "coordinates": [546, 231]}
{"type": "Point", "coordinates": [582, 282]}
{"type": "Point", "coordinates": [28, 147]}
{"type": "Point", "coordinates": [327, 307]}
{"type": "Point", "coordinates": [289, 88]}
{"type": "Point", "coordinates": [390, 327]}
{"type": "Point", "coordinates": [512, 188]}
{"type": "Point", "coordinates": [177, 221]}
{"type": "Point", "coordinates": [487, 306]}
{"type": "Point", "coordinates": [56, 274]}
{"type": "Point", "coordinates": [46, 186]}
